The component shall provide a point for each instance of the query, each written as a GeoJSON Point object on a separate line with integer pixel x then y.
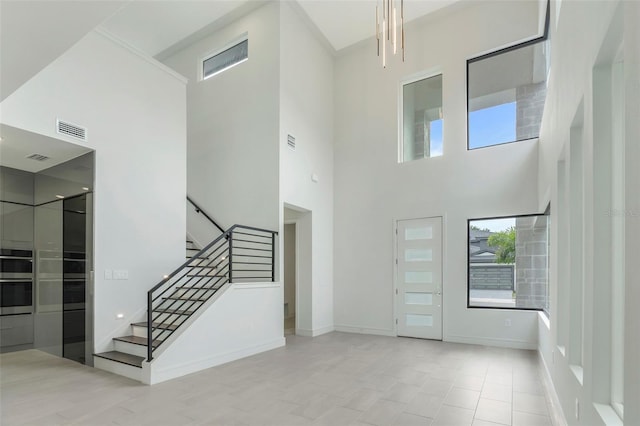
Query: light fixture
{"type": "Point", "coordinates": [387, 28]}
{"type": "Point", "coordinates": [84, 188]}
{"type": "Point", "coordinates": [60, 196]}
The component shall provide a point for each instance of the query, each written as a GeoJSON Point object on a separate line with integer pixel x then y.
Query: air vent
{"type": "Point", "coordinates": [72, 130]}
{"type": "Point", "coordinates": [291, 142]}
{"type": "Point", "coordinates": [38, 157]}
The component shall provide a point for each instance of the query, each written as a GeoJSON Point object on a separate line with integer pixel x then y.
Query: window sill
{"type": "Point", "coordinates": [608, 415]}
{"type": "Point", "coordinates": [578, 372]}
{"type": "Point", "coordinates": [545, 319]}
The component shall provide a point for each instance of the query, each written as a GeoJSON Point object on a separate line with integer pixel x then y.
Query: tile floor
{"type": "Point", "coordinates": [335, 379]}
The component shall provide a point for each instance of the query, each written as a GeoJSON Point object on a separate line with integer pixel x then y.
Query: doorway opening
{"type": "Point", "coordinates": [289, 278]}
{"type": "Point", "coordinates": [46, 210]}
{"type": "Point", "coordinates": [297, 251]}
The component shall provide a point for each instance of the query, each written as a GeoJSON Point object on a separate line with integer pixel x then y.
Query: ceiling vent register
{"type": "Point", "coordinates": [72, 130]}
{"type": "Point", "coordinates": [37, 157]}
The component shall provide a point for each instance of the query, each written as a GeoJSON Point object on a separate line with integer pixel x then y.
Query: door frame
{"type": "Point", "coordinates": [394, 289]}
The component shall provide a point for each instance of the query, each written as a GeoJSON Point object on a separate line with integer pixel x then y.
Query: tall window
{"type": "Point", "coordinates": [508, 262]}
{"type": "Point", "coordinates": [421, 119]}
{"type": "Point", "coordinates": [505, 95]}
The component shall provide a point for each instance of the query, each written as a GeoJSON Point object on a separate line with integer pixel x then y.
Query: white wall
{"type": "Point", "coordinates": [580, 38]}
{"type": "Point", "coordinates": [134, 111]}
{"type": "Point", "coordinates": [248, 320]}
{"type": "Point", "coordinates": [306, 112]}
{"type": "Point", "coordinates": [232, 151]}
{"type": "Point", "coordinates": [289, 269]}
{"type": "Point", "coordinates": [372, 190]}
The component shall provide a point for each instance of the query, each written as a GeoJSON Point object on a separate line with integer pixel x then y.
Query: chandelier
{"type": "Point", "coordinates": [387, 29]}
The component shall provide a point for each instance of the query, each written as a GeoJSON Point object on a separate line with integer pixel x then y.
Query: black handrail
{"type": "Point", "coordinates": [199, 210]}
{"type": "Point", "coordinates": [197, 279]}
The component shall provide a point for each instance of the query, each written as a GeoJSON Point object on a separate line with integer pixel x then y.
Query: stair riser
{"type": "Point", "coordinates": [142, 332]}
{"type": "Point", "coordinates": [170, 319]}
{"type": "Point", "coordinates": [119, 368]}
{"type": "Point", "coordinates": [200, 262]}
{"type": "Point", "coordinates": [195, 294]}
{"type": "Point", "coordinates": [130, 348]}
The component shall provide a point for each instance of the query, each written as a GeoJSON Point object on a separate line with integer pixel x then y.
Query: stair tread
{"type": "Point", "coordinates": [206, 275]}
{"type": "Point", "coordinates": [163, 326]}
{"type": "Point", "coordinates": [137, 340]}
{"type": "Point", "coordinates": [214, 288]}
{"type": "Point", "coordinates": [173, 311]}
{"type": "Point", "coordinates": [187, 299]}
{"type": "Point", "coordinates": [124, 358]}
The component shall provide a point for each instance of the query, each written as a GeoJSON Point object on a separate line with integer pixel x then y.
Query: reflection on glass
{"type": "Point", "coordinates": [506, 96]}
{"type": "Point", "coordinates": [508, 262]}
{"type": "Point", "coordinates": [422, 119]}
{"type": "Point", "coordinates": [411, 298]}
{"type": "Point", "coordinates": [418, 255]}
{"type": "Point", "coordinates": [425, 233]}
{"type": "Point", "coordinates": [419, 320]}
{"type": "Point", "coordinates": [418, 277]}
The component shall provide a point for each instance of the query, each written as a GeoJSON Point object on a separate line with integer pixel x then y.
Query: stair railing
{"type": "Point", "coordinates": [202, 212]}
{"type": "Point", "coordinates": [241, 254]}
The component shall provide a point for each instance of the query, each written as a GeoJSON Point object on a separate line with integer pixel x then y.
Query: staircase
{"type": "Point", "coordinates": [240, 254]}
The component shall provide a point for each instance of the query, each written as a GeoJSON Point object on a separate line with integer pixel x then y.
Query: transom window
{"type": "Point", "coordinates": [226, 58]}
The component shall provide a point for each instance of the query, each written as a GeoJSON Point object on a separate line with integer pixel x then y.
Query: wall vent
{"type": "Point", "coordinates": [72, 130]}
{"type": "Point", "coordinates": [291, 142]}
{"type": "Point", "coordinates": [37, 157]}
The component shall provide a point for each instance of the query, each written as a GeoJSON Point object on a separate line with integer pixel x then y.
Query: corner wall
{"type": "Point", "coordinates": [373, 191]}
{"type": "Point", "coordinates": [134, 110]}
{"type": "Point", "coordinates": [306, 112]}
{"type": "Point", "coordinates": [581, 33]}
{"type": "Point", "coordinates": [232, 123]}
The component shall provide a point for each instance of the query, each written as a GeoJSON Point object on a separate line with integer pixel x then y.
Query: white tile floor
{"type": "Point", "coordinates": [335, 379]}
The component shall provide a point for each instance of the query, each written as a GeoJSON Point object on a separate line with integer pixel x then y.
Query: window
{"type": "Point", "coordinates": [505, 94]}
{"type": "Point", "coordinates": [224, 59]}
{"type": "Point", "coordinates": [508, 262]}
{"type": "Point", "coordinates": [421, 119]}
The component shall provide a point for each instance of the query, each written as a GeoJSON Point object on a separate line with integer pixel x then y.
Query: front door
{"type": "Point", "coordinates": [419, 278]}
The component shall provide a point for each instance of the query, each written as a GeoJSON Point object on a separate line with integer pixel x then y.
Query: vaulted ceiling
{"type": "Point", "coordinates": [34, 33]}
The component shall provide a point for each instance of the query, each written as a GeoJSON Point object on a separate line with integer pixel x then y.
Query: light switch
{"type": "Point", "coordinates": [108, 274]}
{"type": "Point", "coordinates": [120, 274]}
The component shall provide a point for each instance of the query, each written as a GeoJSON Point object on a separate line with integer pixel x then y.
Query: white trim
{"type": "Point", "coordinates": [115, 39]}
{"type": "Point", "coordinates": [491, 341]}
{"type": "Point", "coordinates": [365, 330]}
{"type": "Point", "coordinates": [212, 53]}
{"type": "Point", "coordinates": [315, 332]}
{"type": "Point", "coordinates": [158, 376]}
{"type": "Point", "coordinates": [608, 414]}
{"type": "Point", "coordinates": [250, 286]}
{"type": "Point", "coordinates": [556, 413]}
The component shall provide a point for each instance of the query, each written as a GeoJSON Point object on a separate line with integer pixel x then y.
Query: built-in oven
{"type": "Point", "coordinates": [16, 282]}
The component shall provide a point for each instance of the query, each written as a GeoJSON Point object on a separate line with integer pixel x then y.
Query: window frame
{"type": "Point", "coordinates": [425, 75]}
{"type": "Point", "coordinates": [212, 53]}
{"type": "Point", "coordinates": [469, 306]}
{"type": "Point", "coordinates": [544, 37]}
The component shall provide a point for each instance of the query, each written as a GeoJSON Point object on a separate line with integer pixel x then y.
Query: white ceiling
{"type": "Point", "coordinates": [153, 26]}
{"type": "Point", "coordinates": [17, 144]}
{"type": "Point", "coordinates": [35, 33]}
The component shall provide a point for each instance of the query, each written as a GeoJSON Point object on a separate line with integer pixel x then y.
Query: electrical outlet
{"type": "Point", "coordinates": [507, 322]}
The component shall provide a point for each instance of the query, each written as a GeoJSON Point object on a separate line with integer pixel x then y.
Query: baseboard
{"type": "Point", "coordinates": [556, 412]}
{"type": "Point", "coordinates": [365, 330]}
{"type": "Point", "coordinates": [315, 332]}
{"type": "Point", "coordinates": [491, 341]}
{"type": "Point", "coordinates": [201, 364]}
